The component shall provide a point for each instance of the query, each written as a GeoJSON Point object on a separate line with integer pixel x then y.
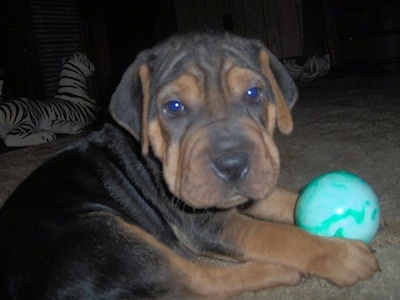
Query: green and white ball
{"type": "Point", "coordinates": [339, 204]}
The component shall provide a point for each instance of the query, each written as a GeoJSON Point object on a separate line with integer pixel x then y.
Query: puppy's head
{"type": "Point", "coordinates": [207, 106]}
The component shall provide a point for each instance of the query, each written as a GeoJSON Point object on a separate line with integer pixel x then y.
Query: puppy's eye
{"type": "Point", "coordinates": [253, 95]}
{"type": "Point", "coordinates": [174, 109]}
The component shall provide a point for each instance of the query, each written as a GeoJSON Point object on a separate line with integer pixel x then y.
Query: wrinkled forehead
{"type": "Point", "coordinates": [204, 58]}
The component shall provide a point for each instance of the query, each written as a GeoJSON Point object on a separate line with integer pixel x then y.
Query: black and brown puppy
{"type": "Point", "coordinates": [189, 171]}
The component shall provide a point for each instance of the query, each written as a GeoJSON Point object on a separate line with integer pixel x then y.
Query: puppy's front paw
{"type": "Point", "coordinates": [346, 262]}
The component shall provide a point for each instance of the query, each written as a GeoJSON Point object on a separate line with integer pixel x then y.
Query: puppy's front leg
{"type": "Point", "coordinates": [344, 262]}
{"type": "Point", "coordinates": [279, 207]}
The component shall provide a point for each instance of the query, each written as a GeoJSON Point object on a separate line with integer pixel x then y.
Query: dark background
{"type": "Point", "coordinates": [359, 35]}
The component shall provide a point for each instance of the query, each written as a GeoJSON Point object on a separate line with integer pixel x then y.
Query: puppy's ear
{"type": "Point", "coordinates": [130, 102]}
{"type": "Point", "coordinates": [283, 88]}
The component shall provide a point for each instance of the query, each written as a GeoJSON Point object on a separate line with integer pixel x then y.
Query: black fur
{"type": "Point", "coordinates": [52, 246]}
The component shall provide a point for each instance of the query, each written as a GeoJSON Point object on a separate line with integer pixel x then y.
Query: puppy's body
{"type": "Point", "coordinates": [189, 171]}
{"type": "Point", "coordinates": [66, 219]}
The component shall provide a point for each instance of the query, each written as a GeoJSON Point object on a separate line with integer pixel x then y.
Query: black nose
{"type": "Point", "coordinates": [232, 166]}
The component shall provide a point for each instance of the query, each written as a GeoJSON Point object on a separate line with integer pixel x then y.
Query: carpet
{"type": "Point", "coordinates": [350, 123]}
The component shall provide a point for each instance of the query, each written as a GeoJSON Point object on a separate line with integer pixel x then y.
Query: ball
{"type": "Point", "coordinates": [339, 204]}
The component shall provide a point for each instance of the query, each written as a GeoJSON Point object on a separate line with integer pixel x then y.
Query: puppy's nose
{"type": "Point", "coordinates": [232, 166]}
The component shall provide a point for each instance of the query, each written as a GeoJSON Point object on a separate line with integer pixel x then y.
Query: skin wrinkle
{"type": "Point", "coordinates": [183, 89]}
{"type": "Point", "coordinates": [188, 143]}
{"type": "Point", "coordinates": [240, 79]}
{"type": "Point", "coordinates": [167, 68]}
{"type": "Point", "coordinates": [239, 58]}
{"type": "Point", "coordinates": [173, 180]}
{"type": "Point", "coordinates": [228, 65]}
{"type": "Point", "coordinates": [159, 145]}
{"type": "Point", "coordinates": [269, 150]}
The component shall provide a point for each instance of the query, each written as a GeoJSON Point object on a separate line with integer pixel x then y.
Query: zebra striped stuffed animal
{"type": "Point", "coordinates": [24, 122]}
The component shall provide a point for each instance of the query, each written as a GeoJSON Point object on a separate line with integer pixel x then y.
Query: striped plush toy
{"type": "Point", "coordinates": [24, 122]}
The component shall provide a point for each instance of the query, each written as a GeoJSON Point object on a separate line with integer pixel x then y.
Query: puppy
{"type": "Point", "coordinates": [177, 196]}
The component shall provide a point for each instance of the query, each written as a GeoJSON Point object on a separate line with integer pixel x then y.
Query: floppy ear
{"type": "Point", "coordinates": [130, 102]}
{"type": "Point", "coordinates": [283, 88]}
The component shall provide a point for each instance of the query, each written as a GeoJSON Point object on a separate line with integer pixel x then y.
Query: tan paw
{"type": "Point", "coordinates": [347, 261]}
